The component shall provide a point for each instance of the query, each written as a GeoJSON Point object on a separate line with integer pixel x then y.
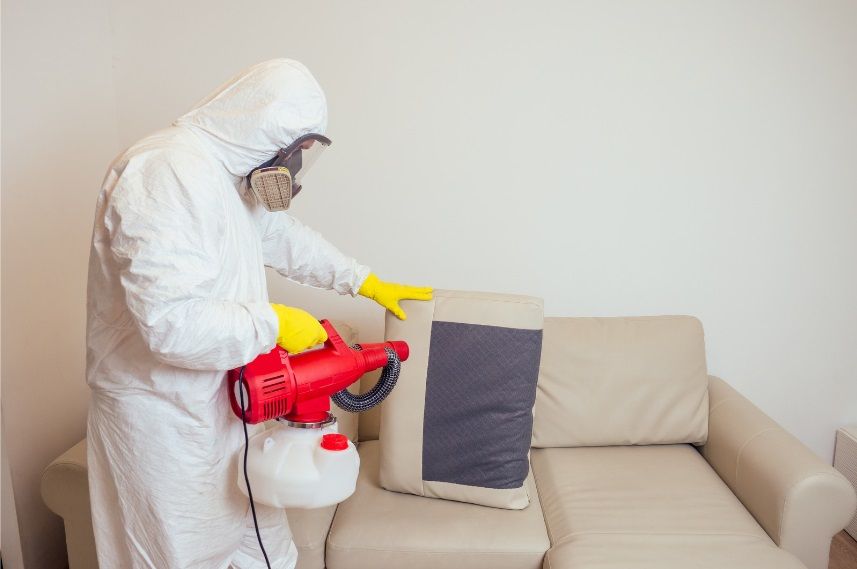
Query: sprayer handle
{"type": "Point", "coordinates": [334, 340]}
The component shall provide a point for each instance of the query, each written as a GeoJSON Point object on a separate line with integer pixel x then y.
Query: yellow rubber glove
{"type": "Point", "coordinates": [299, 329]}
{"type": "Point", "coordinates": [388, 295]}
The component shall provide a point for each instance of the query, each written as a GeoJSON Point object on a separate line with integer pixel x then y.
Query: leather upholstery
{"type": "Point", "coordinates": [309, 532]}
{"type": "Point", "coordinates": [800, 500]}
{"type": "Point", "coordinates": [657, 506]}
{"type": "Point", "coordinates": [379, 529]}
{"type": "Point", "coordinates": [65, 490]}
{"type": "Point", "coordinates": [659, 489]}
{"type": "Point", "coordinates": [621, 381]}
{"type": "Point", "coordinates": [644, 551]}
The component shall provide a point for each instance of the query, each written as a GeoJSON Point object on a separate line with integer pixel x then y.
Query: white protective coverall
{"type": "Point", "coordinates": [177, 295]}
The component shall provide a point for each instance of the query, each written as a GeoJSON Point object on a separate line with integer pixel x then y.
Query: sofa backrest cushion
{"type": "Point", "coordinates": [622, 381]}
{"type": "Point", "coordinates": [458, 425]}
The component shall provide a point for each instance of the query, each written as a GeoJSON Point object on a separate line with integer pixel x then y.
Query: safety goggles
{"type": "Point", "coordinates": [278, 180]}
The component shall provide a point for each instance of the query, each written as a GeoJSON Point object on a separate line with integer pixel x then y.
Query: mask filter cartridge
{"type": "Point", "coordinates": [273, 187]}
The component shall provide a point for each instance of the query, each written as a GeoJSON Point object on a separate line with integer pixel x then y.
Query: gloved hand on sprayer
{"type": "Point", "coordinates": [299, 330]}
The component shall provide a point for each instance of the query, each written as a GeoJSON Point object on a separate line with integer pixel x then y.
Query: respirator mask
{"type": "Point", "coordinates": [278, 180]}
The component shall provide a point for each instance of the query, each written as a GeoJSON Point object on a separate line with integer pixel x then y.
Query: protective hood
{"type": "Point", "coordinates": [254, 114]}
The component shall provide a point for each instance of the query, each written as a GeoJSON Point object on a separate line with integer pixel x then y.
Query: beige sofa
{"type": "Point", "coordinates": [752, 497]}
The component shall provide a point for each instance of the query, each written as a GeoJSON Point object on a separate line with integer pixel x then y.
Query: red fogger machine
{"type": "Point", "coordinates": [298, 388]}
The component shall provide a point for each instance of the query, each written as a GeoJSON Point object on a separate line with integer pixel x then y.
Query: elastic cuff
{"type": "Point", "coordinates": [269, 328]}
{"type": "Point", "coordinates": [361, 274]}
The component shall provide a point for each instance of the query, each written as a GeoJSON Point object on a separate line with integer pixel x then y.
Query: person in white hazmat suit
{"type": "Point", "coordinates": [177, 296]}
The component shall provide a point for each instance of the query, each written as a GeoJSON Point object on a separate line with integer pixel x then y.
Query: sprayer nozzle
{"type": "Point", "coordinates": [401, 348]}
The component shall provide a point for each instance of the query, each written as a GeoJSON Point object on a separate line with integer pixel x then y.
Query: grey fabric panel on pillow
{"type": "Point", "coordinates": [458, 425]}
{"type": "Point", "coordinates": [475, 433]}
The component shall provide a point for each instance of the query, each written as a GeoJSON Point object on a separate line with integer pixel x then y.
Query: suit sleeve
{"type": "Point", "coordinates": [301, 254]}
{"type": "Point", "coordinates": [167, 228]}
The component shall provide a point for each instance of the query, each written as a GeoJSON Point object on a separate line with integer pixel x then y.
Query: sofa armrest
{"type": "Point", "coordinates": [799, 499]}
{"type": "Point", "coordinates": [65, 486]}
{"type": "Point", "coordinates": [65, 490]}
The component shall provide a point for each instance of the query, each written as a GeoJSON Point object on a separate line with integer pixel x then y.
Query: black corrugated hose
{"type": "Point", "coordinates": [389, 376]}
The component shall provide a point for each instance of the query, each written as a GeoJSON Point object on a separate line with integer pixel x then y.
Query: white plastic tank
{"type": "Point", "coordinates": [291, 467]}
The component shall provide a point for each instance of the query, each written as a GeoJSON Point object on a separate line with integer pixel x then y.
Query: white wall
{"type": "Point", "coordinates": [614, 158]}
{"type": "Point", "coordinates": [58, 136]}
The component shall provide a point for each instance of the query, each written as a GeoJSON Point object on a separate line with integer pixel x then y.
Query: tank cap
{"type": "Point", "coordinates": [334, 441]}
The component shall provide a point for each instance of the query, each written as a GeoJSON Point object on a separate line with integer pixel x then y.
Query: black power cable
{"type": "Point", "coordinates": [246, 478]}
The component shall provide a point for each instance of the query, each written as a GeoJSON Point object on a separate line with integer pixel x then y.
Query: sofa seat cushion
{"type": "Point", "coordinates": [645, 506]}
{"type": "Point", "coordinates": [640, 551]}
{"type": "Point", "coordinates": [379, 528]}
